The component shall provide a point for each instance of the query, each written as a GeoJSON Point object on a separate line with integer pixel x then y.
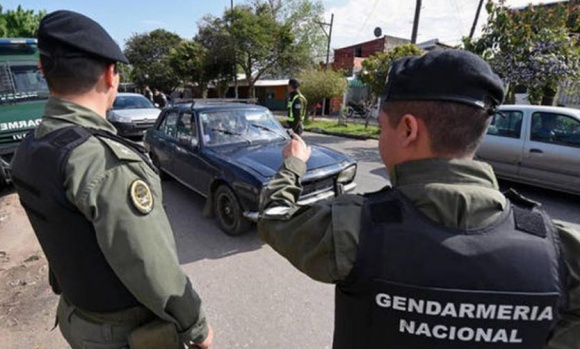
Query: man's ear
{"type": "Point", "coordinates": [40, 67]}
{"type": "Point", "coordinates": [110, 76]}
{"type": "Point", "coordinates": [408, 129]}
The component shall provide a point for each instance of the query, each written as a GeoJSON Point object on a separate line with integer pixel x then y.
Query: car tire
{"type": "Point", "coordinates": [228, 212]}
{"type": "Point", "coordinates": [162, 175]}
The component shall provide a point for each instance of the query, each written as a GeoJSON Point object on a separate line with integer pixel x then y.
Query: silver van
{"type": "Point", "coordinates": [537, 145]}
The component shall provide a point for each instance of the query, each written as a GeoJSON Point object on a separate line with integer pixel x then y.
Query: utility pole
{"type": "Point", "coordinates": [475, 19]}
{"type": "Point", "coordinates": [328, 37]}
{"type": "Point", "coordinates": [416, 22]}
{"type": "Point", "coordinates": [235, 58]}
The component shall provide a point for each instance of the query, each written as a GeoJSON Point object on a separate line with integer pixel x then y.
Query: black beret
{"type": "Point", "coordinates": [76, 34]}
{"type": "Point", "coordinates": [447, 75]}
{"type": "Point", "coordinates": [294, 83]}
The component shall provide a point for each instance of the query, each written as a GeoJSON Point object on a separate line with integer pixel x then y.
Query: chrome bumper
{"type": "Point", "coordinates": [254, 216]}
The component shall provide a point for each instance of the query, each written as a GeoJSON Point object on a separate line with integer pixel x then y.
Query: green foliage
{"type": "Point", "coordinates": [219, 65]}
{"type": "Point", "coordinates": [351, 129]}
{"type": "Point", "coordinates": [20, 23]}
{"type": "Point", "coordinates": [188, 61]}
{"type": "Point", "coordinates": [259, 40]}
{"type": "Point", "coordinates": [531, 47]}
{"type": "Point", "coordinates": [317, 84]}
{"type": "Point", "coordinates": [125, 72]}
{"type": "Point", "coordinates": [149, 55]}
{"type": "Point", "coordinates": [309, 48]}
{"type": "Point", "coordinates": [376, 67]}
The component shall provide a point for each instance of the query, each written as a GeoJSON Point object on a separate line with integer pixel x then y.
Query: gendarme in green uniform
{"type": "Point", "coordinates": [139, 248]}
{"type": "Point", "coordinates": [442, 259]}
{"type": "Point", "coordinates": [322, 242]}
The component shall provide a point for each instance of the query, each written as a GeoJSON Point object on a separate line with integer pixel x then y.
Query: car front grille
{"type": "Point", "coordinates": [144, 123]}
{"type": "Point", "coordinates": [317, 186]}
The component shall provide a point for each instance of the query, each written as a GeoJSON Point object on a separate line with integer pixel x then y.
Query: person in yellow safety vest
{"type": "Point", "coordinates": [296, 107]}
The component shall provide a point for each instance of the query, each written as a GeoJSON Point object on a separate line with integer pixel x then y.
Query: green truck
{"type": "Point", "coordinates": [23, 94]}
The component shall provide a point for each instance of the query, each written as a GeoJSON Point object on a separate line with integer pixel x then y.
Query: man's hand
{"type": "Point", "coordinates": [206, 344]}
{"type": "Point", "coordinates": [298, 148]}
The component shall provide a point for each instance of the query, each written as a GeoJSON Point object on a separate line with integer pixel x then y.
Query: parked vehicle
{"type": "Point", "coordinates": [132, 114]}
{"type": "Point", "coordinates": [23, 95]}
{"type": "Point", "coordinates": [538, 145]}
{"type": "Point", "coordinates": [229, 152]}
{"type": "Point", "coordinates": [357, 110]}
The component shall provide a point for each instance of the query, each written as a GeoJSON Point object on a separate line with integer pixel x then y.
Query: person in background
{"type": "Point", "coordinates": [160, 99]}
{"type": "Point", "coordinates": [296, 107]}
{"type": "Point", "coordinates": [147, 93]}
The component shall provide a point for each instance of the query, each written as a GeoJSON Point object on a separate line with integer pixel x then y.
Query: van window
{"type": "Point", "coordinates": [556, 129]}
{"type": "Point", "coordinates": [506, 123]}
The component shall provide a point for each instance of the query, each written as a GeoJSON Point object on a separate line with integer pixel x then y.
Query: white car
{"type": "Point", "coordinates": [537, 145]}
{"type": "Point", "coordinates": [132, 114]}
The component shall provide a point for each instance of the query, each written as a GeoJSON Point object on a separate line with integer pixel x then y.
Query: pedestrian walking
{"type": "Point", "coordinates": [442, 259]}
{"type": "Point", "coordinates": [94, 202]}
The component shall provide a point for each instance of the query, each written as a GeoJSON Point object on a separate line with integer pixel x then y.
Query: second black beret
{"type": "Point", "coordinates": [447, 75]}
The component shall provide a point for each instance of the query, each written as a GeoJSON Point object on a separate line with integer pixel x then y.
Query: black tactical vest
{"type": "Point", "coordinates": [418, 284]}
{"type": "Point", "coordinates": [78, 268]}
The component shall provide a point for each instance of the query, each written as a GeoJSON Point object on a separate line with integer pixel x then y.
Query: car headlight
{"type": "Point", "coordinates": [347, 175]}
{"type": "Point", "coordinates": [121, 119]}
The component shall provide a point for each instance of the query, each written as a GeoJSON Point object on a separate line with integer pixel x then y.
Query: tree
{"type": "Point", "coordinates": [259, 41]}
{"type": "Point", "coordinates": [303, 18]}
{"type": "Point", "coordinates": [188, 61]}
{"type": "Point", "coordinates": [20, 23]}
{"type": "Point", "coordinates": [219, 65]}
{"type": "Point", "coordinates": [531, 47]}
{"type": "Point", "coordinates": [317, 84]}
{"type": "Point", "coordinates": [149, 55]}
{"type": "Point", "coordinates": [376, 67]}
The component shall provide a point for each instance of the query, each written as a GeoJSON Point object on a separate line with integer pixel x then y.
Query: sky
{"type": "Point", "coordinates": [354, 20]}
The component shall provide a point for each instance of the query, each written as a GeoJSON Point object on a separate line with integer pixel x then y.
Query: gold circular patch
{"type": "Point", "coordinates": [141, 196]}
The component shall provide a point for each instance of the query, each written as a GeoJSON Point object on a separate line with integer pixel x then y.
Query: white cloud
{"type": "Point", "coordinates": [446, 20]}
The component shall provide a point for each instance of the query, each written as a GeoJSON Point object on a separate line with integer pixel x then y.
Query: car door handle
{"type": "Point", "coordinates": [536, 151]}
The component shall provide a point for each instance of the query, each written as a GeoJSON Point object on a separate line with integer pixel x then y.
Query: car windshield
{"type": "Point", "coordinates": [223, 127]}
{"type": "Point", "coordinates": [22, 81]}
{"type": "Point", "coordinates": [132, 102]}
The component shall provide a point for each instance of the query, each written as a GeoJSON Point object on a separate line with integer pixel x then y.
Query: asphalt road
{"type": "Point", "coordinates": [253, 297]}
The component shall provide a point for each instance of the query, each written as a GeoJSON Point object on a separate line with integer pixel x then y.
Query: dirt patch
{"type": "Point", "coordinates": [27, 304]}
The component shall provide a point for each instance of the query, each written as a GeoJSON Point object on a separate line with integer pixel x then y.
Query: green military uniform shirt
{"type": "Point", "coordinates": [322, 240]}
{"type": "Point", "coordinates": [137, 242]}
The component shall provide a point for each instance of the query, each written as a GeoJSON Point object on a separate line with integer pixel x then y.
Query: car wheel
{"type": "Point", "coordinates": [228, 212]}
{"type": "Point", "coordinates": [162, 175]}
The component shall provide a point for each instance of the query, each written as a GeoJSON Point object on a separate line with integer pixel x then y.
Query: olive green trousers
{"type": "Point", "coordinates": [86, 330]}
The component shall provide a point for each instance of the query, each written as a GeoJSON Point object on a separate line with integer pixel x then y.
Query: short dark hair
{"type": "Point", "coordinates": [294, 83]}
{"type": "Point", "coordinates": [454, 128]}
{"type": "Point", "coordinates": [74, 74]}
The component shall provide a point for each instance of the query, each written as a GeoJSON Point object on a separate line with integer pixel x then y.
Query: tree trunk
{"type": "Point", "coordinates": [510, 97]}
{"type": "Point", "coordinates": [549, 94]}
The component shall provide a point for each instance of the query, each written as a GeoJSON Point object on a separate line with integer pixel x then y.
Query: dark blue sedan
{"type": "Point", "coordinates": [229, 152]}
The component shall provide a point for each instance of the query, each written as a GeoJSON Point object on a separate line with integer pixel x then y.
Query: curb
{"type": "Point", "coordinates": [338, 134]}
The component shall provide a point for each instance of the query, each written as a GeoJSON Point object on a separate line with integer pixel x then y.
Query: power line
{"type": "Point", "coordinates": [366, 20]}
